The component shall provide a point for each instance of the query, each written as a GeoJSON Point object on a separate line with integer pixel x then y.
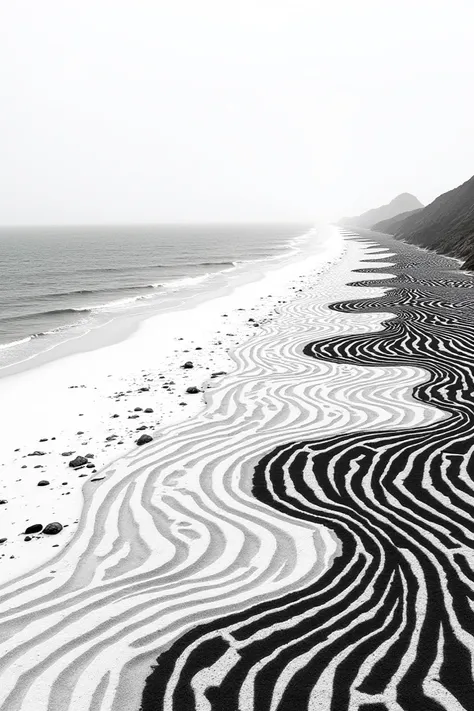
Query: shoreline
{"type": "Point", "coordinates": [91, 400]}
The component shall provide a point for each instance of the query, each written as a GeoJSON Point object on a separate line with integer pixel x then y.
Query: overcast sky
{"type": "Point", "coordinates": [221, 110]}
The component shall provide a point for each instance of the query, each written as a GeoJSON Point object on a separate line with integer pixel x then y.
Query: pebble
{"type": "Point", "coordinates": [51, 529]}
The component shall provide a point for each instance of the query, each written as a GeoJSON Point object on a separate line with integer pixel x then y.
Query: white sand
{"type": "Point", "coordinates": [74, 399]}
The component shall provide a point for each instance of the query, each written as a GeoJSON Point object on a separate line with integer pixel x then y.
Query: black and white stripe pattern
{"type": "Point", "coordinates": [305, 542]}
{"type": "Point", "coordinates": [390, 624]}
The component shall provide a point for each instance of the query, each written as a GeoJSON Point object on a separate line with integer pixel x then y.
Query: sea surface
{"type": "Point", "coordinates": [58, 283]}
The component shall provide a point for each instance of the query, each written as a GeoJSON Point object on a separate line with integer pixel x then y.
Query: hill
{"type": "Point", "coordinates": [402, 203]}
{"type": "Point", "coordinates": [391, 225]}
{"type": "Point", "coordinates": [446, 225]}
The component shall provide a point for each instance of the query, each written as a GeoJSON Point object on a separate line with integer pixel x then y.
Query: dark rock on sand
{"type": "Point", "coordinates": [192, 390]}
{"type": "Point", "coordinates": [35, 528]}
{"type": "Point", "coordinates": [90, 466]}
{"type": "Point", "coordinates": [78, 462]}
{"type": "Point", "coordinates": [67, 454]}
{"type": "Point", "coordinates": [43, 482]}
{"type": "Point", "coordinates": [218, 374]}
{"type": "Point", "coordinates": [144, 439]}
{"type": "Point", "coordinates": [53, 528]}
{"type": "Point", "coordinates": [142, 427]}
{"type": "Point", "coordinates": [36, 453]}
{"type": "Point", "coordinates": [189, 364]}
{"type": "Point", "coordinates": [89, 456]}
{"type": "Point", "coordinates": [28, 538]}
{"type": "Point", "coordinates": [148, 409]}
{"type": "Point", "coordinates": [3, 540]}
{"type": "Point", "coordinates": [143, 390]}
{"type": "Point", "coordinates": [137, 409]}
{"type": "Point", "coordinates": [3, 501]}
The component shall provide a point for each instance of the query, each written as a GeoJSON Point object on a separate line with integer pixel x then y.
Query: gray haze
{"type": "Point", "coordinates": [209, 110]}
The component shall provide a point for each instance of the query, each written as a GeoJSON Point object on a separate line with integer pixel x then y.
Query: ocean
{"type": "Point", "coordinates": [58, 283]}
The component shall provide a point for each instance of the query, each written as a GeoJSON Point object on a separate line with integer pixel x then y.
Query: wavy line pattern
{"type": "Point", "coordinates": [390, 624]}
{"type": "Point", "coordinates": [243, 593]}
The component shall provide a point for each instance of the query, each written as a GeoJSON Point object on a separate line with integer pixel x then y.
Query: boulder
{"type": "Point", "coordinates": [3, 501]}
{"type": "Point", "coordinates": [78, 462]}
{"type": "Point", "coordinates": [36, 453]}
{"type": "Point", "coordinates": [34, 528]}
{"type": "Point", "coordinates": [189, 364]}
{"type": "Point", "coordinates": [148, 409]}
{"type": "Point", "coordinates": [144, 439]}
{"type": "Point", "coordinates": [43, 482]}
{"type": "Point", "coordinates": [192, 390]}
{"type": "Point", "coordinates": [52, 528]}
{"type": "Point", "coordinates": [3, 540]}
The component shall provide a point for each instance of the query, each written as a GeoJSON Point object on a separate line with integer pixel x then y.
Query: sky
{"type": "Point", "coordinates": [143, 111]}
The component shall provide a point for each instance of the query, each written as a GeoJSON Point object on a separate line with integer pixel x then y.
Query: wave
{"type": "Point", "coordinates": [149, 267]}
{"type": "Point", "coordinates": [44, 314]}
{"type": "Point", "coordinates": [91, 309]}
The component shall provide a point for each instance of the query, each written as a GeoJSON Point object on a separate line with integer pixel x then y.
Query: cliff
{"type": "Point", "coordinates": [446, 225]}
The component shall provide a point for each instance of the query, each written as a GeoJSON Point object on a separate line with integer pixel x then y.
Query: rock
{"type": "Point", "coordinates": [3, 501]}
{"type": "Point", "coordinates": [36, 453]}
{"type": "Point", "coordinates": [132, 417]}
{"type": "Point", "coordinates": [113, 416]}
{"type": "Point", "coordinates": [43, 482]}
{"type": "Point", "coordinates": [44, 439]}
{"type": "Point", "coordinates": [137, 409]}
{"type": "Point", "coordinates": [27, 538]}
{"type": "Point", "coordinates": [52, 528]}
{"type": "Point", "coordinates": [67, 454]}
{"type": "Point", "coordinates": [218, 374]}
{"type": "Point", "coordinates": [192, 390]}
{"type": "Point", "coordinates": [143, 390]}
{"type": "Point", "coordinates": [78, 462]}
{"type": "Point", "coordinates": [3, 540]}
{"type": "Point", "coordinates": [35, 528]}
{"type": "Point", "coordinates": [111, 438]}
{"type": "Point", "coordinates": [148, 410]}
{"type": "Point", "coordinates": [189, 364]}
{"type": "Point", "coordinates": [89, 456]}
{"type": "Point", "coordinates": [144, 439]}
{"type": "Point", "coordinates": [90, 466]}
{"type": "Point", "coordinates": [142, 427]}
{"type": "Point", "coordinates": [98, 478]}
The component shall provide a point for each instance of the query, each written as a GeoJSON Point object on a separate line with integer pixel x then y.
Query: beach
{"type": "Point", "coordinates": [90, 395]}
{"type": "Point", "coordinates": [177, 534]}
